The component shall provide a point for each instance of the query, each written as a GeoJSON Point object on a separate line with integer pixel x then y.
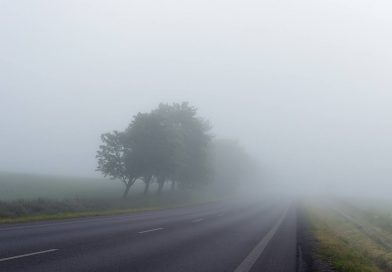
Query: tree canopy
{"type": "Point", "coordinates": [168, 144]}
{"type": "Point", "coordinates": [172, 145]}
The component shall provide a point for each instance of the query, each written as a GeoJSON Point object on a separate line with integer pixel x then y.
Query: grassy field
{"type": "Point", "coordinates": [28, 186]}
{"type": "Point", "coordinates": [33, 197]}
{"type": "Point", "coordinates": [376, 211]}
{"type": "Point", "coordinates": [48, 209]}
{"type": "Point", "coordinates": [349, 239]}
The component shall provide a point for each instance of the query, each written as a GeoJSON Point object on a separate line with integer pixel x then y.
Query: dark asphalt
{"type": "Point", "coordinates": [238, 236]}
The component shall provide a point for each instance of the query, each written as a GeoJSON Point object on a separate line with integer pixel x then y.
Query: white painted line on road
{"type": "Point", "coordinates": [255, 254]}
{"type": "Point", "coordinates": [27, 255]}
{"type": "Point", "coordinates": [151, 230]}
{"type": "Point", "coordinates": [198, 220]}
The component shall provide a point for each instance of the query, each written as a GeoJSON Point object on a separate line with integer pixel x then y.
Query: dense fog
{"type": "Point", "coordinates": [304, 86]}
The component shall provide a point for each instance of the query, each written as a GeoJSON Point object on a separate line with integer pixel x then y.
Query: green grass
{"type": "Point", "coordinates": [45, 209]}
{"type": "Point", "coordinates": [347, 247]}
{"type": "Point", "coordinates": [15, 186]}
{"type": "Point", "coordinates": [59, 216]}
{"type": "Point", "coordinates": [337, 250]}
{"type": "Point", "coordinates": [377, 212]}
{"type": "Point", "coordinates": [25, 198]}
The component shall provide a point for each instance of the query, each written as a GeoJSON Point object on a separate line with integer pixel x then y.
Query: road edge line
{"type": "Point", "coordinates": [255, 254]}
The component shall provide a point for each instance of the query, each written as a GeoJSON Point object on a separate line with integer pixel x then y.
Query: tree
{"type": "Point", "coordinates": [168, 144]}
{"type": "Point", "coordinates": [152, 145]}
{"type": "Point", "coordinates": [115, 160]}
{"type": "Point", "coordinates": [190, 139]}
{"type": "Point", "coordinates": [232, 165]}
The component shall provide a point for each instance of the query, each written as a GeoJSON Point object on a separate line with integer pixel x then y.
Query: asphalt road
{"type": "Point", "coordinates": [239, 236]}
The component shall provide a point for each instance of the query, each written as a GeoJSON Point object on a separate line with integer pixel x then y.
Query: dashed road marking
{"type": "Point", "coordinates": [151, 230]}
{"type": "Point", "coordinates": [28, 255]}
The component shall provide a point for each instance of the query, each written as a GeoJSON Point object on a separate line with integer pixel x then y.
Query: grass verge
{"type": "Point", "coordinates": [70, 215]}
{"type": "Point", "coordinates": [21, 211]}
{"type": "Point", "coordinates": [345, 247]}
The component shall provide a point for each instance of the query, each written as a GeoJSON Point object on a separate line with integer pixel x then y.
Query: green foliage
{"type": "Point", "coordinates": [172, 144]}
{"type": "Point", "coordinates": [168, 144]}
{"type": "Point", "coordinates": [115, 160]}
{"type": "Point", "coordinates": [189, 141]}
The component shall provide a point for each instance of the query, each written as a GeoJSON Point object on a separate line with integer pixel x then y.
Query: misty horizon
{"type": "Point", "coordinates": [310, 99]}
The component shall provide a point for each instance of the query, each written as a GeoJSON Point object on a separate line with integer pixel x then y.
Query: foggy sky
{"type": "Point", "coordinates": [304, 85]}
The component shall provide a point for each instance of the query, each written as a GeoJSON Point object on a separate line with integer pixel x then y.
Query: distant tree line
{"type": "Point", "coordinates": [169, 145]}
{"type": "Point", "coordinates": [232, 167]}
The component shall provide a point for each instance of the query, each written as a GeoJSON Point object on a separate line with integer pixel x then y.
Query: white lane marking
{"type": "Point", "coordinates": [27, 255]}
{"type": "Point", "coordinates": [198, 220]}
{"type": "Point", "coordinates": [255, 254]}
{"type": "Point", "coordinates": [151, 230]}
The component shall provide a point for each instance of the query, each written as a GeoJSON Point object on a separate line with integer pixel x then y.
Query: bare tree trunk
{"type": "Point", "coordinates": [128, 186]}
{"type": "Point", "coordinates": [161, 182]}
{"type": "Point", "coordinates": [147, 183]}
